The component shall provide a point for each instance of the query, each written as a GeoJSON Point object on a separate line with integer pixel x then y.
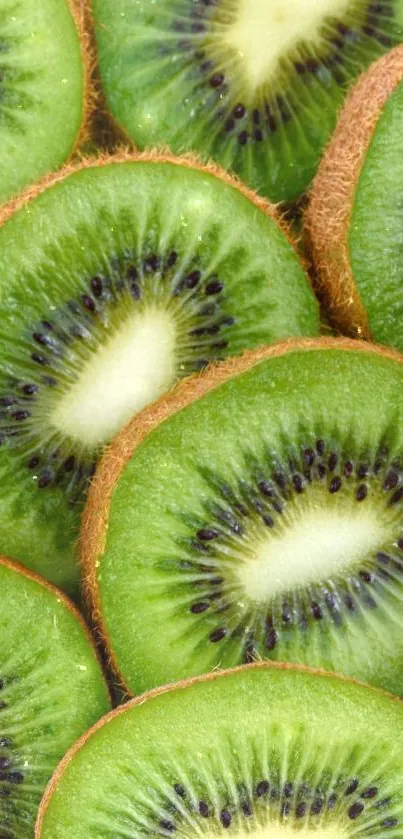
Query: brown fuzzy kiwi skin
{"type": "Point", "coordinates": [81, 15]}
{"type": "Point", "coordinates": [103, 128]}
{"type": "Point", "coordinates": [96, 512]}
{"type": "Point", "coordinates": [124, 155]}
{"type": "Point", "coordinates": [182, 685]}
{"type": "Point", "coordinates": [13, 565]}
{"type": "Point", "coordinates": [327, 219]}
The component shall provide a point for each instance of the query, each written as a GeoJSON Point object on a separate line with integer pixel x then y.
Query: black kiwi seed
{"type": "Point", "coordinates": [204, 809]}
{"type": "Point", "coordinates": [218, 634]}
{"type": "Point", "coordinates": [332, 462]}
{"type": "Point", "coordinates": [167, 825]}
{"type": "Point", "coordinates": [390, 481]}
{"type": "Point", "coordinates": [206, 534]}
{"type": "Point", "coordinates": [262, 788]}
{"type": "Point", "coordinates": [355, 810]}
{"type": "Point", "coordinates": [352, 786]}
{"type": "Point", "coordinates": [301, 810]}
{"type": "Point", "coordinates": [370, 792]}
{"type": "Point", "coordinates": [397, 496]}
{"type": "Point", "coordinates": [225, 818]}
{"type": "Point", "coordinates": [332, 801]}
{"type": "Point", "coordinates": [362, 492]}
{"type": "Point", "coordinates": [316, 611]}
{"type": "Point", "coordinates": [198, 608]}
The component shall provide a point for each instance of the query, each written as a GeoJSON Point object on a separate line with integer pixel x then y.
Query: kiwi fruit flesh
{"type": "Point", "coordinates": [51, 690]}
{"type": "Point", "coordinates": [256, 88]}
{"type": "Point", "coordinates": [354, 220]}
{"type": "Point", "coordinates": [262, 750]}
{"type": "Point", "coordinates": [119, 277]}
{"type": "Point", "coordinates": [256, 513]}
{"type": "Point", "coordinates": [42, 88]}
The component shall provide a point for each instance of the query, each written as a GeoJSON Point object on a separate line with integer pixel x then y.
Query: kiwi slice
{"type": "Point", "coordinates": [262, 750]}
{"type": "Point", "coordinates": [119, 277]}
{"type": "Point", "coordinates": [256, 512]}
{"type": "Point", "coordinates": [255, 87]}
{"type": "Point", "coordinates": [43, 86]}
{"type": "Point", "coordinates": [355, 215]}
{"type": "Point", "coordinates": [51, 690]}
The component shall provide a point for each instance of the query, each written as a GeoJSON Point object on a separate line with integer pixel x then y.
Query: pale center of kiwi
{"type": "Point", "coordinates": [264, 31]}
{"type": "Point", "coordinates": [317, 544]}
{"type": "Point", "coordinates": [133, 368]}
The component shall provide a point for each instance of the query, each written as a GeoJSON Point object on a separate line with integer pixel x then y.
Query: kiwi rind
{"type": "Point", "coordinates": [112, 465]}
{"type": "Point", "coordinates": [67, 574]}
{"type": "Point", "coordinates": [43, 710]}
{"type": "Point", "coordinates": [327, 219]}
{"type": "Point", "coordinates": [334, 692]}
{"type": "Point", "coordinates": [82, 16]}
{"type": "Point", "coordinates": [122, 154]}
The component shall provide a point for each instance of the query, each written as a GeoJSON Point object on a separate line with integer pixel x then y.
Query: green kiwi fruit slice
{"type": "Point", "coordinates": [254, 85]}
{"type": "Point", "coordinates": [51, 690]}
{"type": "Point", "coordinates": [354, 220]}
{"type": "Point", "coordinates": [256, 512]}
{"type": "Point", "coordinates": [119, 277]}
{"type": "Point", "coordinates": [43, 88]}
{"type": "Point", "coordinates": [262, 750]}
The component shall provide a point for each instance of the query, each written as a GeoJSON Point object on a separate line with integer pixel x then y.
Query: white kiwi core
{"type": "Point", "coordinates": [314, 542]}
{"type": "Point", "coordinates": [264, 31]}
{"type": "Point", "coordinates": [130, 370]}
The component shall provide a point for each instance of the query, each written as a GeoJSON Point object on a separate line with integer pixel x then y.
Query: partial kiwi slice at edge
{"type": "Point", "coordinates": [354, 219]}
{"type": "Point", "coordinates": [120, 276]}
{"type": "Point", "coordinates": [256, 512]}
{"type": "Point", "coordinates": [254, 85]}
{"type": "Point", "coordinates": [263, 750]}
{"type": "Point", "coordinates": [51, 690]}
{"type": "Point", "coordinates": [44, 88]}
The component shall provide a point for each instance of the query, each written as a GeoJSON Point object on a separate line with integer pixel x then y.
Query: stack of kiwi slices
{"type": "Point", "coordinates": [201, 419]}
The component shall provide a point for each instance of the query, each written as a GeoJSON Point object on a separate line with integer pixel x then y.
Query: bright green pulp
{"type": "Point", "coordinates": [41, 90]}
{"type": "Point", "coordinates": [51, 690]}
{"type": "Point", "coordinates": [376, 227]}
{"type": "Point", "coordinates": [215, 742]}
{"type": "Point", "coordinates": [207, 462]}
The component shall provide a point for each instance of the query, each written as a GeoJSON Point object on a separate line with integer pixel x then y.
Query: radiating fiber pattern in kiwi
{"type": "Point", "coordinates": [256, 86]}
{"type": "Point", "coordinates": [356, 231]}
{"type": "Point", "coordinates": [51, 690]}
{"type": "Point", "coordinates": [262, 520]}
{"type": "Point", "coordinates": [118, 280]}
{"type": "Point", "coordinates": [262, 750]}
{"type": "Point", "coordinates": [42, 90]}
